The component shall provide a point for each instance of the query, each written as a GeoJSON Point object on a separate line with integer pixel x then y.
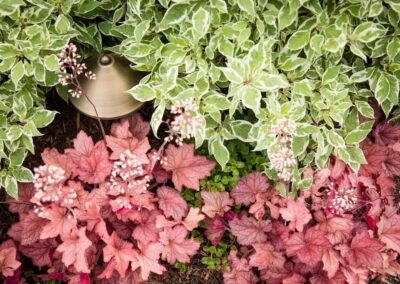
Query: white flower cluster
{"type": "Point", "coordinates": [128, 174]}
{"type": "Point", "coordinates": [185, 122]}
{"type": "Point", "coordinates": [48, 183]}
{"type": "Point", "coordinates": [343, 200]}
{"type": "Point", "coordinates": [281, 155]}
{"type": "Point", "coordinates": [67, 60]}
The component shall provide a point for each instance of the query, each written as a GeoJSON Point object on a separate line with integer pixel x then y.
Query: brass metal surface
{"type": "Point", "coordinates": [108, 91]}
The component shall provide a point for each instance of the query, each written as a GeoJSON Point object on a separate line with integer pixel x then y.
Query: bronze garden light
{"type": "Point", "coordinates": [108, 92]}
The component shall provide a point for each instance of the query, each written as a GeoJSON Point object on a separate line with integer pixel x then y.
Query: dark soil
{"type": "Point", "coordinates": [60, 134]}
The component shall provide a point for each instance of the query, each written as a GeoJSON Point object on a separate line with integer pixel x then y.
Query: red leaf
{"type": "Point", "coordinates": [147, 231]}
{"type": "Point", "coordinates": [171, 203]}
{"type": "Point", "coordinates": [52, 157]}
{"type": "Point", "coordinates": [8, 261]}
{"type": "Point", "coordinates": [297, 213]}
{"type": "Point", "coordinates": [40, 252]}
{"type": "Point", "coordinates": [187, 169]}
{"type": "Point", "coordinates": [176, 247]}
{"type": "Point", "coordinates": [309, 247]}
{"type": "Point", "coordinates": [386, 184]}
{"type": "Point", "coordinates": [25, 193]}
{"type": "Point", "coordinates": [119, 252]}
{"type": "Point", "coordinates": [91, 215]}
{"type": "Point", "coordinates": [241, 272]}
{"type": "Point", "coordinates": [61, 222]}
{"type": "Point", "coordinates": [392, 162]}
{"type": "Point", "coordinates": [266, 256]}
{"type": "Point", "coordinates": [95, 167]}
{"type": "Point", "coordinates": [389, 231]}
{"type": "Point", "coordinates": [137, 126]}
{"type": "Point", "coordinates": [375, 155]}
{"type": "Point", "coordinates": [215, 203]}
{"type": "Point", "coordinates": [249, 231]}
{"type": "Point", "coordinates": [387, 133]}
{"type": "Point", "coordinates": [32, 226]}
{"type": "Point", "coordinates": [337, 229]}
{"type": "Point", "coordinates": [364, 251]}
{"type": "Point", "coordinates": [147, 260]}
{"type": "Point", "coordinates": [215, 229]}
{"type": "Point", "coordinates": [73, 249]}
{"type": "Point", "coordinates": [248, 187]}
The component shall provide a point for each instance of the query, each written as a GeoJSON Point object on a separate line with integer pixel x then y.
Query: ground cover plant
{"type": "Point", "coordinates": [271, 151]}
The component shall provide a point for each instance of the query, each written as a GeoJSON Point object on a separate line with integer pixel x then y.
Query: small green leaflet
{"type": "Point", "coordinates": [201, 23]}
{"type": "Point", "coordinates": [143, 93]}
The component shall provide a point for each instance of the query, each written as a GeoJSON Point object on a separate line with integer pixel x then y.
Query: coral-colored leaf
{"type": "Point", "coordinates": [61, 222]}
{"type": "Point", "coordinates": [171, 203]}
{"type": "Point", "coordinates": [215, 203]}
{"type": "Point", "coordinates": [176, 247]}
{"type": "Point", "coordinates": [309, 247]}
{"type": "Point", "coordinates": [187, 169]}
{"type": "Point", "coordinates": [91, 215]}
{"type": "Point", "coordinates": [193, 218]}
{"type": "Point", "coordinates": [95, 167]}
{"type": "Point", "coordinates": [119, 252]}
{"type": "Point", "coordinates": [73, 249]}
{"type": "Point", "coordinates": [297, 213]}
{"type": "Point", "coordinates": [266, 256]}
{"type": "Point", "coordinates": [364, 252]}
{"type": "Point", "coordinates": [248, 187]}
{"type": "Point", "coordinates": [331, 259]}
{"type": "Point", "coordinates": [249, 231]}
{"type": "Point", "coordinates": [389, 231]}
{"type": "Point", "coordinates": [147, 259]}
{"type": "Point", "coordinates": [139, 148]}
{"type": "Point", "coordinates": [8, 261]}
{"type": "Point", "coordinates": [83, 146]}
{"type": "Point", "coordinates": [40, 252]}
{"type": "Point", "coordinates": [52, 157]}
{"type": "Point", "coordinates": [386, 184]}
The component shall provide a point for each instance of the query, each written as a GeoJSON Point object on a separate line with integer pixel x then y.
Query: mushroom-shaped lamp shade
{"type": "Point", "coordinates": [108, 92]}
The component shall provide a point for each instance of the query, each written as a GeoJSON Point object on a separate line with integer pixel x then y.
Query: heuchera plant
{"type": "Point", "coordinates": [103, 210]}
{"type": "Point", "coordinates": [345, 229]}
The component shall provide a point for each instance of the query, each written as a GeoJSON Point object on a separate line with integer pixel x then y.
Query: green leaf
{"type": "Point", "coordinates": [247, 6]}
{"type": "Point", "coordinates": [356, 136]}
{"type": "Point", "coordinates": [286, 17]}
{"type": "Point", "coordinates": [43, 117]}
{"type": "Point", "coordinates": [62, 24]}
{"type": "Point", "coordinates": [11, 186]}
{"type": "Point", "coordinates": [17, 72]}
{"type": "Point", "coordinates": [241, 129]}
{"type": "Point", "coordinates": [299, 145]}
{"type": "Point", "coordinates": [251, 98]}
{"type": "Point", "coordinates": [298, 40]}
{"type": "Point", "coordinates": [143, 93]}
{"type": "Point", "coordinates": [220, 5]}
{"type": "Point", "coordinates": [393, 48]}
{"type": "Point", "coordinates": [51, 62]}
{"type": "Point", "coordinates": [367, 32]}
{"type": "Point", "coordinates": [156, 117]}
{"type": "Point", "coordinates": [217, 100]}
{"type": "Point", "coordinates": [7, 51]}
{"type": "Point", "coordinates": [23, 174]}
{"type": "Point", "coordinates": [334, 138]}
{"type": "Point", "coordinates": [17, 157]}
{"type": "Point", "coordinates": [365, 109]}
{"type": "Point", "coordinates": [270, 82]}
{"type": "Point", "coordinates": [330, 74]}
{"type": "Point", "coordinates": [220, 152]}
{"type": "Point", "coordinates": [316, 43]}
{"type": "Point", "coordinates": [174, 15]}
{"type": "Point", "coordinates": [201, 23]}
